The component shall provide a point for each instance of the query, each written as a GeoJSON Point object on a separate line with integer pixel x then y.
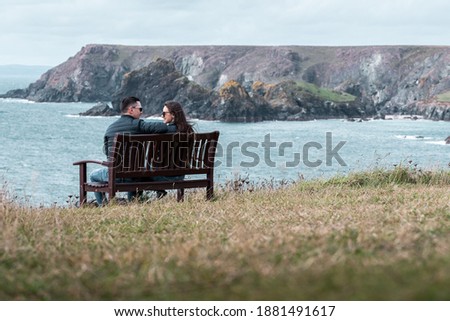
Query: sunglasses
{"type": "Point", "coordinates": [164, 113]}
{"type": "Point", "coordinates": [140, 108]}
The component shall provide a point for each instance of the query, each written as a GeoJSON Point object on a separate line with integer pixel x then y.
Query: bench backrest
{"type": "Point", "coordinates": [163, 154]}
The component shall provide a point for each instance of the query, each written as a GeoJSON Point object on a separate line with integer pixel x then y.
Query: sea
{"type": "Point", "coordinates": [40, 141]}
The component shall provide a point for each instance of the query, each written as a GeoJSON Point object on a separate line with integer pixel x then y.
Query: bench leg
{"type": "Point", "coordinates": [111, 195]}
{"type": "Point", "coordinates": [209, 192]}
{"type": "Point", "coordinates": [180, 195]}
{"type": "Point", "coordinates": [83, 195]}
{"type": "Point", "coordinates": [210, 186]}
{"type": "Point", "coordinates": [83, 177]}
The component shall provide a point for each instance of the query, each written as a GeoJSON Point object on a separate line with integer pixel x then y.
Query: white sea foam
{"type": "Point", "coordinates": [412, 137]}
{"type": "Point", "coordinates": [153, 118]}
{"type": "Point", "coordinates": [439, 142]}
{"type": "Point", "coordinates": [17, 100]}
{"type": "Point", "coordinates": [414, 117]}
{"type": "Point", "coordinates": [96, 117]}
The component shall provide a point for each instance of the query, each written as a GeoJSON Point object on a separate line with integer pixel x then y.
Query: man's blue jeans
{"type": "Point", "coordinates": [101, 176]}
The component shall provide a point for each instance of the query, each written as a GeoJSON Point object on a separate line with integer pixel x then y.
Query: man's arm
{"type": "Point", "coordinates": [152, 127]}
{"type": "Point", "coordinates": [171, 128]}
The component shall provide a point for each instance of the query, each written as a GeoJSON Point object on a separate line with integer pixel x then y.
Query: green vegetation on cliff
{"type": "Point", "coordinates": [326, 94]}
{"type": "Point", "coordinates": [444, 97]}
{"type": "Point", "coordinates": [367, 236]}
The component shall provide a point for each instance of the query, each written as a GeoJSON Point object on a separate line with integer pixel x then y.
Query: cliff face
{"type": "Point", "coordinates": [93, 74]}
{"type": "Point", "coordinates": [159, 82]}
{"type": "Point", "coordinates": [288, 100]}
{"type": "Point", "coordinates": [384, 80]}
{"type": "Point", "coordinates": [389, 78]}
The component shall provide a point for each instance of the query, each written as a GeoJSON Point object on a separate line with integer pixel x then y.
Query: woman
{"type": "Point", "coordinates": [173, 114]}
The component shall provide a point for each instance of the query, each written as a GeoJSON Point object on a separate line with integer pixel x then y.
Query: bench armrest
{"type": "Point", "coordinates": [104, 163]}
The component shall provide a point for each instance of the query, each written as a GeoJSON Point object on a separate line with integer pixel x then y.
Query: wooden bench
{"type": "Point", "coordinates": [135, 159]}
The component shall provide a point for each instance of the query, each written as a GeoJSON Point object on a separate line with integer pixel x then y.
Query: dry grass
{"type": "Point", "coordinates": [328, 240]}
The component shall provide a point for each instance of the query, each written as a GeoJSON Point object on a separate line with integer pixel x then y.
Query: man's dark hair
{"type": "Point", "coordinates": [127, 102]}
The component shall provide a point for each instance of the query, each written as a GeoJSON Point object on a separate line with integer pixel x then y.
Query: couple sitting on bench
{"type": "Point", "coordinates": [130, 123]}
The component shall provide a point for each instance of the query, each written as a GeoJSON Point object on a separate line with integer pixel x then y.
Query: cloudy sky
{"type": "Point", "coordinates": [48, 32]}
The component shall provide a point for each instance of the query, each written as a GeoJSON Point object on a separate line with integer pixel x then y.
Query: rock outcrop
{"type": "Point", "coordinates": [288, 100]}
{"type": "Point", "coordinates": [94, 74]}
{"type": "Point", "coordinates": [430, 109]}
{"type": "Point", "coordinates": [101, 109]}
{"type": "Point", "coordinates": [384, 79]}
{"type": "Point", "coordinates": [234, 104]}
{"type": "Point", "coordinates": [159, 82]}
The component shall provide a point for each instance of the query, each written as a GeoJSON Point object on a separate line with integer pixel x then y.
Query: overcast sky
{"type": "Point", "coordinates": [48, 32]}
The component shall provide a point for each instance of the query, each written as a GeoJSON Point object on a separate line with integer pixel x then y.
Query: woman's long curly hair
{"type": "Point", "coordinates": [179, 117]}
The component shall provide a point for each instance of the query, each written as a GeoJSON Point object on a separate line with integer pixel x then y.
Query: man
{"type": "Point", "coordinates": [129, 122]}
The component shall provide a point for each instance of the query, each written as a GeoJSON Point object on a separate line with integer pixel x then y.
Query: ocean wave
{"type": "Point", "coordinates": [412, 137]}
{"type": "Point", "coordinates": [96, 117]}
{"type": "Point", "coordinates": [195, 120]}
{"type": "Point", "coordinates": [17, 100]}
{"type": "Point", "coordinates": [439, 142]}
{"type": "Point", "coordinates": [403, 117]}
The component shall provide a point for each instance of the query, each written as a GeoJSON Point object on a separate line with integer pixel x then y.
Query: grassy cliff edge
{"type": "Point", "coordinates": [381, 235]}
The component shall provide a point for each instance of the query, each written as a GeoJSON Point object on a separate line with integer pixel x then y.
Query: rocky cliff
{"type": "Point", "coordinates": [251, 83]}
